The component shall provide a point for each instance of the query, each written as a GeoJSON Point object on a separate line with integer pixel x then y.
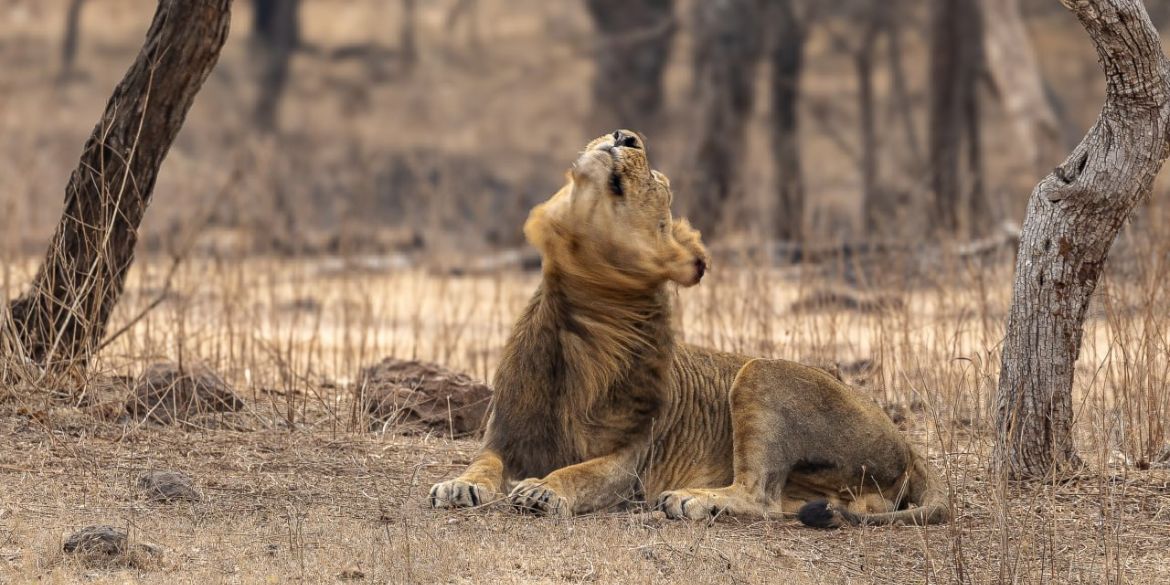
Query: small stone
{"type": "Point", "coordinates": [169, 486]}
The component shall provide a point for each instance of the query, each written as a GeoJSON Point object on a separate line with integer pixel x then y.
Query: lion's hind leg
{"type": "Point", "coordinates": [761, 460]}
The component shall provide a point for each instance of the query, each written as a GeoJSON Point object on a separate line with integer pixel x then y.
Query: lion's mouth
{"type": "Point", "coordinates": [615, 174]}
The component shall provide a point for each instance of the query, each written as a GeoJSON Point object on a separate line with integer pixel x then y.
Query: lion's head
{"type": "Point", "coordinates": [611, 224]}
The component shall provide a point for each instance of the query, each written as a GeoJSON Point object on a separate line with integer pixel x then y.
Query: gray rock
{"type": "Point", "coordinates": [169, 486]}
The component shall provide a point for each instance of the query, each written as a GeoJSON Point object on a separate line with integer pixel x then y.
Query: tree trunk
{"type": "Point", "coordinates": [1019, 83]}
{"type": "Point", "coordinates": [60, 321]}
{"type": "Point", "coordinates": [408, 40]}
{"type": "Point", "coordinates": [863, 64]}
{"type": "Point", "coordinates": [1074, 214]}
{"type": "Point", "coordinates": [955, 62]}
{"type": "Point", "coordinates": [629, 59]}
{"type": "Point", "coordinates": [787, 65]}
{"type": "Point", "coordinates": [276, 21]}
{"type": "Point", "coordinates": [276, 34]}
{"type": "Point", "coordinates": [725, 55]}
{"type": "Point", "coordinates": [899, 88]}
{"type": "Point", "coordinates": [71, 38]}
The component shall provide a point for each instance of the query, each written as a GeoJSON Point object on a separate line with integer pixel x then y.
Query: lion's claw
{"type": "Point", "coordinates": [536, 497]}
{"type": "Point", "coordinates": [457, 494]}
{"type": "Point", "coordinates": [683, 504]}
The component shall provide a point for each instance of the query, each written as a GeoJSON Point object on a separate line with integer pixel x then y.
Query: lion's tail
{"type": "Point", "coordinates": [925, 491]}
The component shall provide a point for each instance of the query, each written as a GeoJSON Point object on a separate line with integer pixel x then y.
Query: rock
{"type": "Point", "coordinates": [167, 394]}
{"type": "Point", "coordinates": [99, 540]}
{"type": "Point", "coordinates": [420, 396]}
{"type": "Point", "coordinates": [107, 545]}
{"type": "Point", "coordinates": [169, 486]}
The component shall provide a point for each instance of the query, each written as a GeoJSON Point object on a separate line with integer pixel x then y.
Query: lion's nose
{"type": "Point", "coordinates": [625, 139]}
{"type": "Point", "coordinates": [700, 268]}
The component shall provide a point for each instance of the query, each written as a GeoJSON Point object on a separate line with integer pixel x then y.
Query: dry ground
{"type": "Point", "coordinates": [296, 488]}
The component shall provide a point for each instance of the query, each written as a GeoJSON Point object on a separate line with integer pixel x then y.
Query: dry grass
{"type": "Point", "coordinates": [305, 492]}
{"type": "Point", "coordinates": [297, 489]}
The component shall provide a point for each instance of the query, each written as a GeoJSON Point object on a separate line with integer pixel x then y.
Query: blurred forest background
{"type": "Point", "coordinates": [368, 126]}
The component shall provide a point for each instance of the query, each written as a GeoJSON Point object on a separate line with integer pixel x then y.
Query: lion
{"type": "Point", "coordinates": [598, 405]}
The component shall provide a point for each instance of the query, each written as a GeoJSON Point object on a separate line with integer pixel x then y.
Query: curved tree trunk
{"type": "Point", "coordinates": [630, 59]}
{"type": "Point", "coordinates": [1074, 214]}
{"type": "Point", "coordinates": [61, 319]}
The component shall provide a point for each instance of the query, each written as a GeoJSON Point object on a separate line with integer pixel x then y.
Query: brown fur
{"type": "Point", "coordinates": [597, 405]}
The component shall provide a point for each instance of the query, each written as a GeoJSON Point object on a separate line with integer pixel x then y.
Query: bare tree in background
{"type": "Point", "coordinates": [276, 21]}
{"type": "Point", "coordinates": [630, 58]}
{"type": "Point", "coordinates": [893, 15]}
{"type": "Point", "coordinates": [1074, 214]}
{"type": "Point", "coordinates": [1019, 82]}
{"type": "Point", "coordinates": [725, 54]}
{"type": "Point", "coordinates": [276, 34]}
{"type": "Point", "coordinates": [408, 36]}
{"type": "Point", "coordinates": [787, 59]}
{"type": "Point", "coordinates": [71, 38]}
{"type": "Point", "coordinates": [872, 24]}
{"type": "Point", "coordinates": [956, 61]}
{"type": "Point", "coordinates": [60, 321]}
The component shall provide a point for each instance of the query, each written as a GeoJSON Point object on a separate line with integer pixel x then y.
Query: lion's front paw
{"type": "Point", "coordinates": [692, 504]}
{"type": "Point", "coordinates": [535, 496]}
{"type": "Point", "coordinates": [457, 493]}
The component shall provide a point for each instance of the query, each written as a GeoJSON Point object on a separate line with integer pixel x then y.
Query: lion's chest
{"type": "Point", "coordinates": [624, 418]}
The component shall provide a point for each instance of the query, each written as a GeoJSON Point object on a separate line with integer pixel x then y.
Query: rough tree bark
{"type": "Point", "coordinates": [787, 65]}
{"type": "Point", "coordinates": [955, 63]}
{"type": "Point", "coordinates": [725, 55]}
{"type": "Point", "coordinates": [61, 319]}
{"type": "Point", "coordinates": [1074, 214]}
{"type": "Point", "coordinates": [275, 36]}
{"type": "Point", "coordinates": [1019, 83]}
{"type": "Point", "coordinates": [634, 46]}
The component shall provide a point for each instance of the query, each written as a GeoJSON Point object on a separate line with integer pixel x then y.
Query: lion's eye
{"type": "Point", "coordinates": [662, 226]}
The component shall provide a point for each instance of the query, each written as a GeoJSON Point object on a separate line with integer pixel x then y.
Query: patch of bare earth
{"type": "Point", "coordinates": [313, 506]}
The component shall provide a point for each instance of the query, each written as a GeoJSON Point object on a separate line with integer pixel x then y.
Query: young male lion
{"type": "Point", "coordinates": [596, 404]}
